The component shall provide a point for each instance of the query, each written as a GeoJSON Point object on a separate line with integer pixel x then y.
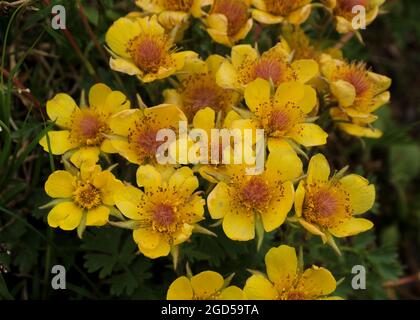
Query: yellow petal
{"type": "Point", "coordinates": [60, 184]}
{"type": "Point", "coordinates": [265, 17]}
{"type": "Point", "coordinates": [183, 234]}
{"type": "Point", "coordinates": [308, 134]}
{"type": "Point", "coordinates": [317, 282]}
{"type": "Point", "coordinates": [148, 177]}
{"type": "Point", "coordinates": [85, 155]}
{"type": "Point", "coordinates": [65, 215]}
{"type": "Point", "coordinates": [290, 91]}
{"type": "Point", "coordinates": [218, 201]}
{"type": "Point", "coordinates": [305, 69]}
{"type": "Point", "coordinates": [313, 229]}
{"type": "Point", "coordinates": [161, 250]}
{"type": "Point", "coordinates": [301, 15]}
{"type": "Point", "coordinates": [180, 289]}
{"type": "Point", "coordinates": [344, 91]}
{"type": "Point", "coordinates": [278, 209]}
{"type": "Point", "coordinates": [299, 198]}
{"type": "Point", "coordinates": [122, 122]}
{"type": "Point", "coordinates": [124, 66]}
{"type": "Point", "coordinates": [60, 108]}
{"type": "Point", "coordinates": [204, 119]}
{"type": "Point", "coordinates": [282, 163]}
{"type": "Point", "coordinates": [281, 264]}
{"type": "Point", "coordinates": [98, 216]}
{"type": "Point", "coordinates": [258, 287]}
{"type": "Point", "coordinates": [168, 115]}
{"type": "Point", "coordinates": [232, 293]}
{"type": "Point", "coordinates": [106, 182]}
{"type": "Point", "coordinates": [257, 94]}
{"type": "Point", "coordinates": [206, 283]}
{"type": "Point", "coordinates": [381, 82]}
{"type": "Point", "coordinates": [238, 226]}
{"type": "Point", "coordinates": [226, 77]}
{"type": "Point", "coordinates": [128, 200]}
{"type": "Point", "coordinates": [146, 238]}
{"type": "Point", "coordinates": [242, 53]}
{"type": "Point", "coordinates": [359, 131]}
{"type": "Point", "coordinates": [361, 193]}
{"type": "Point", "coordinates": [115, 102]}
{"type": "Point", "coordinates": [243, 31]}
{"type": "Point", "coordinates": [120, 33]}
{"type": "Point", "coordinates": [59, 213]}
{"type": "Point", "coordinates": [59, 142]}
{"type": "Point", "coordinates": [351, 227]}
{"type": "Point", "coordinates": [107, 147]}
{"type": "Point", "coordinates": [183, 181]}
{"type": "Point", "coordinates": [318, 169]}
{"type": "Point", "coordinates": [171, 96]}
{"type": "Point", "coordinates": [98, 94]}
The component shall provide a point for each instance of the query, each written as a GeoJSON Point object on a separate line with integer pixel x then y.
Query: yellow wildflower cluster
{"type": "Point", "coordinates": [277, 91]}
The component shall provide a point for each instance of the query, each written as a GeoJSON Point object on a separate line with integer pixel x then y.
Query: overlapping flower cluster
{"type": "Point", "coordinates": [277, 90]}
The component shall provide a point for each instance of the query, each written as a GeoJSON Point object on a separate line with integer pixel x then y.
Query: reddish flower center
{"type": "Point", "coordinates": [358, 79]}
{"type": "Point", "coordinates": [255, 193]}
{"type": "Point", "coordinates": [89, 126]}
{"type": "Point", "coordinates": [279, 120]}
{"type": "Point", "coordinates": [147, 142]}
{"type": "Point", "coordinates": [164, 215]}
{"type": "Point", "coordinates": [325, 204]}
{"type": "Point", "coordinates": [268, 69]}
{"type": "Point", "coordinates": [236, 12]}
{"type": "Point", "coordinates": [348, 5]}
{"type": "Point", "coordinates": [149, 52]}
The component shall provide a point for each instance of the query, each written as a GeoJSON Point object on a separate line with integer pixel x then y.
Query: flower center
{"type": "Point", "coordinates": [358, 79]}
{"type": "Point", "coordinates": [200, 91]}
{"type": "Point", "coordinates": [282, 7]}
{"type": "Point", "coordinates": [327, 206]}
{"type": "Point", "coordinates": [87, 196]}
{"type": "Point", "coordinates": [164, 218]}
{"type": "Point", "coordinates": [279, 120]}
{"type": "Point", "coordinates": [236, 12]}
{"type": "Point", "coordinates": [348, 5]}
{"type": "Point", "coordinates": [255, 193]}
{"type": "Point", "coordinates": [149, 52]}
{"type": "Point", "coordinates": [87, 127]}
{"type": "Point", "coordinates": [178, 5]}
{"type": "Point", "coordinates": [142, 140]}
{"type": "Point", "coordinates": [268, 69]}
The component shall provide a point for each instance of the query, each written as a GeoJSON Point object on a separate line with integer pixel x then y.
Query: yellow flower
{"type": "Point", "coordinates": [284, 280]}
{"type": "Point", "coordinates": [141, 47]}
{"type": "Point", "coordinates": [207, 285]}
{"type": "Point", "coordinates": [242, 198]}
{"type": "Point", "coordinates": [247, 64]}
{"type": "Point", "coordinates": [205, 119]}
{"type": "Point", "coordinates": [198, 88]}
{"type": "Point", "coordinates": [283, 116]}
{"type": "Point", "coordinates": [135, 131]}
{"type": "Point", "coordinates": [358, 92]}
{"type": "Point", "coordinates": [277, 11]}
{"type": "Point", "coordinates": [342, 10]}
{"type": "Point", "coordinates": [85, 129]}
{"type": "Point", "coordinates": [81, 197]}
{"type": "Point", "coordinates": [327, 206]}
{"type": "Point", "coordinates": [164, 214]}
{"type": "Point", "coordinates": [172, 13]}
{"type": "Point", "coordinates": [229, 21]}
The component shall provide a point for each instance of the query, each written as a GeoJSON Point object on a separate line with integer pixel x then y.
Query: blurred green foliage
{"type": "Point", "coordinates": [104, 264]}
